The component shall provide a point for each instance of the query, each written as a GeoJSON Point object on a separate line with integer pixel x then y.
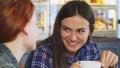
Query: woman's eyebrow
{"type": "Point", "coordinates": [64, 26]}
{"type": "Point", "coordinates": [69, 28]}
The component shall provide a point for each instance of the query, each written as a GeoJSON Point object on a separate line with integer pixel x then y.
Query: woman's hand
{"type": "Point", "coordinates": [108, 59]}
{"type": "Point", "coordinates": [75, 65]}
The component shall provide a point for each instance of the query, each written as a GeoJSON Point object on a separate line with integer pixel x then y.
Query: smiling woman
{"type": "Point", "coordinates": [71, 41]}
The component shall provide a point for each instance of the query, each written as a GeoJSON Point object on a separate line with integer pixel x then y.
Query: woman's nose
{"type": "Point", "coordinates": [73, 36]}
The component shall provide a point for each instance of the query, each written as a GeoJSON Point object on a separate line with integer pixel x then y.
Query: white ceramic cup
{"type": "Point", "coordinates": [90, 64]}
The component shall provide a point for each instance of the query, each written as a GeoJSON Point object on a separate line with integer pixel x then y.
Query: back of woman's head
{"type": "Point", "coordinates": [14, 15]}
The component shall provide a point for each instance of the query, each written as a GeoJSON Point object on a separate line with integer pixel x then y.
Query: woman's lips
{"type": "Point", "coordinates": [72, 44]}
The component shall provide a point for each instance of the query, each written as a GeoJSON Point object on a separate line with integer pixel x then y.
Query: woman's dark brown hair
{"type": "Point", "coordinates": [14, 15]}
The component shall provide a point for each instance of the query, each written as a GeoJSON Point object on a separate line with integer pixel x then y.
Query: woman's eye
{"type": "Point", "coordinates": [81, 31]}
{"type": "Point", "coordinates": [66, 29]}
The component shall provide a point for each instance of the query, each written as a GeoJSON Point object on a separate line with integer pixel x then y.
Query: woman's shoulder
{"type": "Point", "coordinates": [4, 54]}
{"type": "Point", "coordinates": [44, 48]}
{"type": "Point", "coordinates": [46, 45]}
{"type": "Point", "coordinates": [8, 61]}
{"type": "Point", "coordinates": [2, 60]}
{"type": "Point", "coordinates": [43, 52]}
{"type": "Point", "coordinates": [42, 55]}
{"type": "Point", "coordinates": [4, 63]}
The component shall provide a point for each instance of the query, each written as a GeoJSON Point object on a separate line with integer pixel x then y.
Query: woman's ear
{"type": "Point", "coordinates": [26, 29]}
{"type": "Point", "coordinates": [25, 32]}
{"type": "Point", "coordinates": [90, 34]}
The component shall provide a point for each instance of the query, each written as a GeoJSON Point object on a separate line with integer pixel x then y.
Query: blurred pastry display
{"type": "Point", "coordinates": [99, 25]}
{"type": "Point", "coordinates": [103, 21]}
{"type": "Point", "coordinates": [102, 24]}
{"type": "Point", "coordinates": [97, 1]}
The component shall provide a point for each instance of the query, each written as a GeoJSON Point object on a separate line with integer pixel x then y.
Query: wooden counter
{"type": "Point", "coordinates": [110, 39]}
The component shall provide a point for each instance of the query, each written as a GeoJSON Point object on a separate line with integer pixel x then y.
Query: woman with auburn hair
{"type": "Point", "coordinates": [71, 41]}
{"type": "Point", "coordinates": [18, 31]}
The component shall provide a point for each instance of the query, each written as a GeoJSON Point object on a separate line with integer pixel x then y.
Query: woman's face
{"type": "Point", "coordinates": [32, 34]}
{"type": "Point", "coordinates": [74, 33]}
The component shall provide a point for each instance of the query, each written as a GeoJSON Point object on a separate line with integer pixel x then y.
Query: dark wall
{"type": "Point", "coordinates": [113, 46]}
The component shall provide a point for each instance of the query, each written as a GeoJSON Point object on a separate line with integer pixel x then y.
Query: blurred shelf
{"type": "Point", "coordinates": [103, 6]}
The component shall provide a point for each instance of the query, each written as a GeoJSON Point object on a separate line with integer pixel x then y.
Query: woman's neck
{"type": "Point", "coordinates": [17, 48]}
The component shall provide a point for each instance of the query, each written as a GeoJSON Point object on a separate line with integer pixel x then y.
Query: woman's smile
{"type": "Point", "coordinates": [72, 44]}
